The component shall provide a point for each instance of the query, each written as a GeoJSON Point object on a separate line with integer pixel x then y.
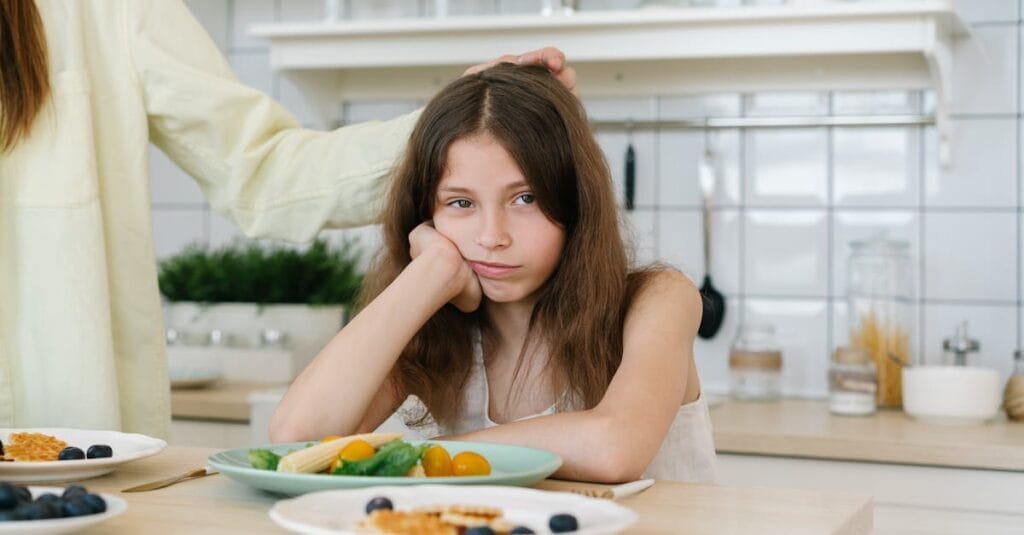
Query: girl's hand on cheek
{"type": "Point", "coordinates": [464, 283]}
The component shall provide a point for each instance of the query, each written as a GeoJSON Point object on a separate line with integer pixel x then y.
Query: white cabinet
{"type": "Point", "coordinates": [908, 499]}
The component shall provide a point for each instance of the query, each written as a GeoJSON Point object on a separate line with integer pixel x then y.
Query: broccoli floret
{"type": "Point", "coordinates": [264, 459]}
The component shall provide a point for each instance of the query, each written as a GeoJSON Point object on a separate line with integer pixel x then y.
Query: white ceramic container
{"type": "Point", "coordinates": [954, 395]}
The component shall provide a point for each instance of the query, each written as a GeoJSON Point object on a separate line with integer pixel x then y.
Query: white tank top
{"type": "Point", "coordinates": [686, 454]}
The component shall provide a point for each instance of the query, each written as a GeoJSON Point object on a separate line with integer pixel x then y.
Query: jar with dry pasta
{"type": "Point", "coordinates": [880, 300]}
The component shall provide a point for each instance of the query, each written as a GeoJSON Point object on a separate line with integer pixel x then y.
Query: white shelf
{"type": "Point", "coordinates": [815, 46]}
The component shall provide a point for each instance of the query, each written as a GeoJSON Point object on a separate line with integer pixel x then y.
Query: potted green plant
{"type": "Point", "coordinates": [247, 294]}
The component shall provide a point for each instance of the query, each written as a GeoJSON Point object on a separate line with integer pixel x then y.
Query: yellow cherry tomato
{"type": "Point", "coordinates": [470, 463]}
{"type": "Point", "coordinates": [437, 462]}
{"type": "Point", "coordinates": [357, 450]}
{"type": "Point", "coordinates": [329, 438]}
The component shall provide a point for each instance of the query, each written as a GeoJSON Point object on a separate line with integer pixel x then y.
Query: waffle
{"type": "Point", "coordinates": [32, 447]}
{"type": "Point", "coordinates": [434, 519]}
{"type": "Point", "coordinates": [404, 523]}
{"type": "Point", "coordinates": [482, 511]}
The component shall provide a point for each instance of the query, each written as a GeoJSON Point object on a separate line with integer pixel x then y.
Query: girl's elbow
{"type": "Point", "coordinates": [619, 465]}
{"type": "Point", "coordinates": [619, 459]}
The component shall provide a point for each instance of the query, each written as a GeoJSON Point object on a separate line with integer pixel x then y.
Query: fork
{"type": "Point", "coordinates": [618, 491]}
{"type": "Point", "coordinates": [194, 474]}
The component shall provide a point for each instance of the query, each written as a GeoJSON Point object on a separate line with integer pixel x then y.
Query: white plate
{"type": "Point", "coordinates": [115, 506]}
{"type": "Point", "coordinates": [338, 511]}
{"type": "Point", "coordinates": [126, 447]}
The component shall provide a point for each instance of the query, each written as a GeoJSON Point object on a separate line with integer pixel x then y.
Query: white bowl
{"type": "Point", "coordinates": [951, 394]}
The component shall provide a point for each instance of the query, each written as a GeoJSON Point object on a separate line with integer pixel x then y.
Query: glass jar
{"type": "Point", "coordinates": [755, 364]}
{"type": "Point", "coordinates": [852, 382]}
{"type": "Point", "coordinates": [881, 311]}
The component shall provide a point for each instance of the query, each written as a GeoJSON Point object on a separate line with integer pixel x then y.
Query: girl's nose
{"type": "Point", "coordinates": [494, 233]}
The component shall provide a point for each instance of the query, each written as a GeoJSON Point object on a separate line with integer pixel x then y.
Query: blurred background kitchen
{"type": "Point", "coordinates": [927, 176]}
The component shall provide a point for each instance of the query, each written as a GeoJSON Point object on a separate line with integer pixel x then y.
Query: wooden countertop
{"type": "Point", "coordinates": [228, 402]}
{"type": "Point", "coordinates": [216, 504]}
{"type": "Point", "coordinates": [805, 428]}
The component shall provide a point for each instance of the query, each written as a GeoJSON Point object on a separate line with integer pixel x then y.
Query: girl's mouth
{"type": "Point", "coordinates": [492, 270]}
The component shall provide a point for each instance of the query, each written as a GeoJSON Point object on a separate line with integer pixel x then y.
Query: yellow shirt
{"type": "Point", "coordinates": [81, 333]}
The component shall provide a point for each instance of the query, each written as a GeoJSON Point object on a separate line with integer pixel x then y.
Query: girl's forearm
{"type": "Point", "coordinates": [593, 447]}
{"type": "Point", "coordinates": [334, 392]}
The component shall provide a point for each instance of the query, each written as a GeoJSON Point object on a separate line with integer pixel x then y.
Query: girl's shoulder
{"type": "Point", "coordinates": [662, 290]}
{"type": "Point", "coordinates": [653, 280]}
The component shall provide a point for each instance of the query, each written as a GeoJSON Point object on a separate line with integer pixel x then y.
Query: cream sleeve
{"type": "Point", "coordinates": [250, 156]}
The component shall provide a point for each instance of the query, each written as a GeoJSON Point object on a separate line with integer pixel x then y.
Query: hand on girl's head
{"type": "Point", "coordinates": [425, 237]}
{"type": "Point", "coordinates": [550, 57]}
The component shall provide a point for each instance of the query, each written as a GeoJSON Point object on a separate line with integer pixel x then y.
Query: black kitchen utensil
{"type": "Point", "coordinates": [630, 176]}
{"type": "Point", "coordinates": [713, 300]}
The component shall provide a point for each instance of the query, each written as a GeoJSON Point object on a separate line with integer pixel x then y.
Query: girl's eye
{"type": "Point", "coordinates": [461, 203]}
{"type": "Point", "coordinates": [525, 198]}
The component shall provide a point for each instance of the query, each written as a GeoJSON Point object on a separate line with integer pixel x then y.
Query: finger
{"type": "Point", "coordinates": [568, 78]}
{"type": "Point", "coordinates": [550, 57]}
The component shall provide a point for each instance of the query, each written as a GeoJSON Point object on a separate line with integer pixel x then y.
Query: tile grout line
{"type": "Point", "coordinates": [744, 171]}
{"type": "Point", "coordinates": [830, 237]}
{"type": "Point", "coordinates": [922, 170]}
{"type": "Point", "coordinates": [1017, 165]}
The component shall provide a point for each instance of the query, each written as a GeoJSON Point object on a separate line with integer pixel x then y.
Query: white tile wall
{"type": "Point", "coordinates": [983, 173]}
{"type": "Point", "coordinates": [787, 167]}
{"type": "Point", "coordinates": [970, 256]}
{"type": "Point", "coordinates": [986, 71]}
{"type": "Point", "coordinates": [786, 253]}
{"type": "Point", "coordinates": [988, 10]}
{"type": "Point", "coordinates": [787, 201]}
{"type": "Point", "coordinates": [876, 167]}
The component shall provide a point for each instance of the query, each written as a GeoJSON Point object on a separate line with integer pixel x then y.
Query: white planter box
{"type": "Point", "coordinates": [307, 328]}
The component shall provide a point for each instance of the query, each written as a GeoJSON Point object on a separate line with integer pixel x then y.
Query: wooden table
{"type": "Point", "coordinates": [216, 504]}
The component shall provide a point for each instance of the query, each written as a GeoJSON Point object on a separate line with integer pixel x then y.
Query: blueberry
{"type": "Point", "coordinates": [75, 506]}
{"type": "Point", "coordinates": [521, 530]}
{"type": "Point", "coordinates": [70, 453]}
{"type": "Point", "coordinates": [9, 498]}
{"type": "Point", "coordinates": [98, 451]}
{"type": "Point", "coordinates": [18, 513]}
{"type": "Point", "coordinates": [380, 502]}
{"type": "Point", "coordinates": [479, 530]}
{"type": "Point", "coordinates": [23, 493]}
{"type": "Point", "coordinates": [39, 510]}
{"type": "Point", "coordinates": [73, 491]}
{"type": "Point", "coordinates": [94, 502]}
{"type": "Point", "coordinates": [49, 497]}
{"type": "Point", "coordinates": [563, 523]}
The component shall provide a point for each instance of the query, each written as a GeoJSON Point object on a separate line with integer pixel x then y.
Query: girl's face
{"type": "Point", "coordinates": [485, 206]}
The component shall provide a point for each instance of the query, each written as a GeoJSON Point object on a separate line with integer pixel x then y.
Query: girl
{"type": "Point", "coordinates": [503, 302]}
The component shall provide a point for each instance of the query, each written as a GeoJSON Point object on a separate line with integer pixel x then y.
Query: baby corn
{"type": "Point", "coordinates": [317, 458]}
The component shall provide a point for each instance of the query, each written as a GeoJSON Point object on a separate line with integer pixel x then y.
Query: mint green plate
{"type": "Point", "coordinates": [510, 465]}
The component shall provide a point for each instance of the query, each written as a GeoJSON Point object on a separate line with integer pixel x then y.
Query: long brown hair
{"type": "Point", "coordinates": [579, 311]}
{"type": "Point", "coordinates": [24, 79]}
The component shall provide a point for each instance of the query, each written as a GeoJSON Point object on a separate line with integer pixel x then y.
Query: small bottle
{"type": "Point", "coordinates": [755, 364]}
{"type": "Point", "coordinates": [852, 382]}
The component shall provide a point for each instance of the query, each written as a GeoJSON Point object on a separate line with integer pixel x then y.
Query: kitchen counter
{"type": "Point", "coordinates": [805, 428]}
{"type": "Point", "coordinates": [216, 504]}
